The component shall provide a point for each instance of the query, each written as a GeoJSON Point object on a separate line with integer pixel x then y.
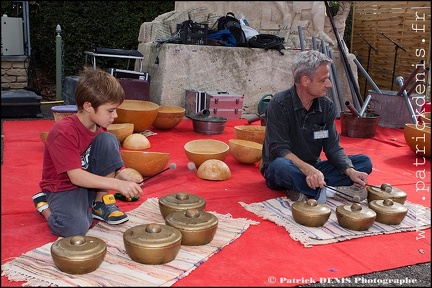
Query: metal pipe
{"type": "Point", "coordinates": [418, 82]}
{"type": "Point", "coordinates": [314, 44]}
{"type": "Point", "coordinates": [58, 63]}
{"type": "Point", "coordinates": [334, 96]}
{"type": "Point", "coordinates": [368, 78]}
{"type": "Point", "coordinates": [365, 104]}
{"type": "Point", "coordinates": [333, 68]}
{"type": "Point", "coordinates": [352, 109]}
{"type": "Point", "coordinates": [400, 82]}
{"type": "Point", "coordinates": [300, 32]}
{"type": "Point", "coordinates": [411, 77]}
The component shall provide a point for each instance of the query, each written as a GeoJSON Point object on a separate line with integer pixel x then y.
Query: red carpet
{"type": "Point", "coordinates": [263, 251]}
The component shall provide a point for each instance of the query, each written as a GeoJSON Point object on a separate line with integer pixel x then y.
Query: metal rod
{"type": "Point", "coordinates": [352, 109]}
{"type": "Point", "coordinates": [172, 166]}
{"type": "Point", "coordinates": [314, 44]}
{"type": "Point", "coordinates": [332, 80]}
{"type": "Point", "coordinates": [411, 77]}
{"type": "Point", "coordinates": [367, 66]}
{"type": "Point", "coordinates": [354, 198]}
{"type": "Point", "coordinates": [365, 104]}
{"type": "Point", "coordinates": [400, 82]}
{"type": "Point", "coordinates": [418, 82]}
{"type": "Point", "coordinates": [368, 78]}
{"type": "Point", "coordinates": [333, 68]}
{"type": "Point", "coordinates": [300, 32]}
{"type": "Point", "coordinates": [395, 57]}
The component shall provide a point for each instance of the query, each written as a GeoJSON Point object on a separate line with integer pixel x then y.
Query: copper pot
{"type": "Point", "coordinates": [386, 191]}
{"type": "Point", "coordinates": [310, 213]}
{"type": "Point", "coordinates": [388, 211]}
{"type": "Point", "coordinates": [78, 254]}
{"type": "Point", "coordinates": [355, 217]}
{"type": "Point", "coordinates": [197, 227]}
{"type": "Point", "coordinates": [152, 243]}
{"type": "Point", "coordinates": [180, 201]}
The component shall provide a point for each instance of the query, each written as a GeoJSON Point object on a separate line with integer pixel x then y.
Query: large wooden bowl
{"type": "Point", "coordinates": [168, 117]}
{"type": "Point", "coordinates": [121, 130]}
{"type": "Point", "coordinates": [250, 132]}
{"type": "Point", "coordinates": [140, 113]}
{"type": "Point", "coordinates": [147, 163]}
{"type": "Point", "coordinates": [418, 138]}
{"type": "Point", "coordinates": [201, 150]}
{"type": "Point", "coordinates": [244, 151]}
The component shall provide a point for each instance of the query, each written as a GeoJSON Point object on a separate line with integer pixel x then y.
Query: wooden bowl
{"type": "Point", "coordinates": [168, 117]}
{"type": "Point", "coordinates": [147, 163]}
{"type": "Point", "coordinates": [244, 151]}
{"type": "Point", "coordinates": [121, 130]}
{"type": "Point", "coordinates": [418, 138]}
{"type": "Point", "coordinates": [201, 150]}
{"type": "Point", "coordinates": [426, 118]}
{"type": "Point", "coordinates": [136, 141]}
{"type": "Point", "coordinates": [250, 132]}
{"type": "Point", "coordinates": [141, 113]}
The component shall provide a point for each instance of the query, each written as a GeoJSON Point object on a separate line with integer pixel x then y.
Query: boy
{"type": "Point", "coordinates": [82, 161]}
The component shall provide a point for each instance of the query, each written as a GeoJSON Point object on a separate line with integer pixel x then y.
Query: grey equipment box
{"type": "Point", "coordinates": [20, 104]}
{"type": "Point", "coordinates": [220, 103]}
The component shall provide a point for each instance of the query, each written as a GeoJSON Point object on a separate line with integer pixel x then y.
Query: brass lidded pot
{"type": "Point", "coordinates": [355, 217]}
{"type": "Point", "coordinates": [310, 213]}
{"type": "Point", "coordinates": [78, 254]}
{"type": "Point", "coordinates": [388, 211]}
{"type": "Point", "coordinates": [197, 227]}
{"type": "Point", "coordinates": [180, 201]}
{"type": "Point", "coordinates": [152, 243]}
{"type": "Point", "coordinates": [386, 191]}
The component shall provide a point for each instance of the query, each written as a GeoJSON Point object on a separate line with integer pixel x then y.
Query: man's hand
{"type": "Point", "coordinates": [359, 178]}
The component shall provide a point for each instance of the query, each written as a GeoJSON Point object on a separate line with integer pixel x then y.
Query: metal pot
{"type": "Point", "coordinates": [310, 213]}
{"type": "Point", "coordinates": [386, 191]}
{"type": "Point", "coordinates": [197, 227]}
{"type": "Point", "coordinates": [355, 217]}
{"type": "Point", "coordinates": [180, 201]}
{"type": "Point", "coordinates": [152, 243]}
{"type": "Point", "coordinates": [388, 211]}
{"type": "Point", "coordinates": [78, 254]}
{"type": "Point", "coordinates": [209, 125]}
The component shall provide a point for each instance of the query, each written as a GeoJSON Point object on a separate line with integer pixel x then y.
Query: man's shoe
{"type": "Point", "coordinates": [351, 193]}
{"type": "Point", "coordinates": [40, 201]}
{"type": "Point", "coordinates": [296, 196]}
{"type": "Point", "coordinates": [107, 210]}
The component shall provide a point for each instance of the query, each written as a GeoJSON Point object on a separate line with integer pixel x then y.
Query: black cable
{"type": "Point", "coordinates": [267, 41]}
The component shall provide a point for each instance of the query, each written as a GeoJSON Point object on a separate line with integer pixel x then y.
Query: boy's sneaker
{"type": "Point", "coordinates": [108, 211]}
{"type": "Point", "coordinates": [296, 196]}
{"type": "Point", "coordinates": [40, 201]}
{"type": "Point", "coordinates": [351, 193]}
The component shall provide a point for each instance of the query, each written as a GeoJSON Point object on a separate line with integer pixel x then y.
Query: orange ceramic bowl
{"type": "Point", "coordinates": [147, 163]}
{"type": "Point", "coordinates": [168, 117]}
{"type": "Point", "coordinates": [250, 132]}
{"type": "Point", "coordinates": [201, 150]}
{"type": "Point", "coordinates": [140, 113]}
{"type": "Point", "coordinates": [244, 151]}
{"type": "Point", "coordinates": [121, 130]}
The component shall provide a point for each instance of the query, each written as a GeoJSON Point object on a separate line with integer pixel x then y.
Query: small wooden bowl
{"type": "Point", "coordinates": [168, 117]}
{"type": "Point", "coordinates": [250, 132]}
{"type": "Point", "coordinates": [214, 169]}
{"type": "Point", "coordinates": [244, 151]}
{"type": "Point", "coordinates": [201, 150]}
{"type": "Point", "coordinates": [121, 130]}
{"type": "Point", "coordinates": [418, 138]}
{"type": "Point", "coordinates": [147, 163]}
{"type": "Point", "coordinates": [141, 113]}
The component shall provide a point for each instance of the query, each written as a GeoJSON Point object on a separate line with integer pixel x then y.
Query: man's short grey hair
{"type": "Point", "coordinates": [307, 63]}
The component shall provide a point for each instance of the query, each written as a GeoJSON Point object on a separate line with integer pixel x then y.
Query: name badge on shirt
{"type": "Point", "coordinates": [322, 134]}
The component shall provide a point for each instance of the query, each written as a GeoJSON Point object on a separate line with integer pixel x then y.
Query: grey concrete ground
{"type": "Point", "coordinates": [414, 276]}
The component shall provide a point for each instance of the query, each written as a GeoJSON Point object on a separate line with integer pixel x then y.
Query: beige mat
{"type": "Point", "coordinates": [278, 210]}
{"type": "Point", "coordinates": [37, 268]}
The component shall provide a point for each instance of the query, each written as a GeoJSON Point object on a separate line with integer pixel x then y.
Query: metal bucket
{"type": "Point", "coordinates": [359, 127]}
{"type": "Point", "coordinates": [209, 125]}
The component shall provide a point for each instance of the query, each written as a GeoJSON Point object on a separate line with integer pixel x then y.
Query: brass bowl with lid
{"type": "Point", "coordinates": [78, 254]}
{"type": "Point", "coordinates": [355, 217]}
{"type": "Point", "coordinates": [386, 191]}
{"type": "Point", "coordinates": [310, 213]}
{"type": "Point", "coordinates": [152, 243]}
{"type": "Point", "coordinates": [197, 227]}
{"type": "Point", "coordinates": [179, 202]}
{"type": "Point", "coordinates": [388, 211]}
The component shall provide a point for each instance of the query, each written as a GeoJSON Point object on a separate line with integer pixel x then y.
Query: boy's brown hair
{"type": "Point", "coordinates": [97, 87]}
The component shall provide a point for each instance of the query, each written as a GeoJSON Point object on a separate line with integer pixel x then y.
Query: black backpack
{"type": "Point", "coordinates": [232, 24]}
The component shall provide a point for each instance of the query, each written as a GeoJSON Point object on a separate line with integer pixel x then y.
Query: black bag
{"type": "Point", "coordinates": [232, 24]}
